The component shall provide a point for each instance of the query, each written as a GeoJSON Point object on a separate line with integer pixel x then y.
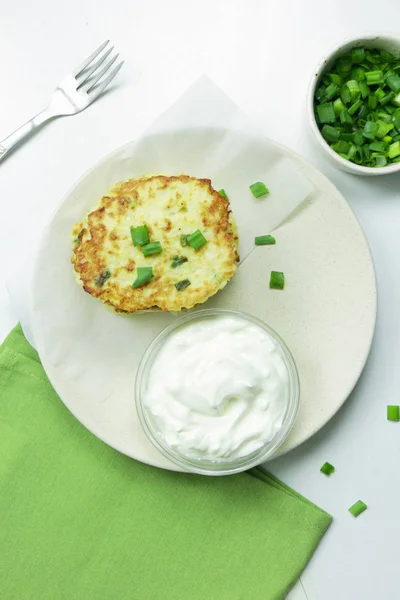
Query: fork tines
{"type": "Point", "coordinates": [95, 75]}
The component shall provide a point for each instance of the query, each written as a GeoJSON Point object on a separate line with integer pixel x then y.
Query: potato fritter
{"type": "Point", "coordinates": [107, 262]}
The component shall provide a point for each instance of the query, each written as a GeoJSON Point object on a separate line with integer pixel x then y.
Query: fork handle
{"type": "Point", "coordinates": [24, 132]}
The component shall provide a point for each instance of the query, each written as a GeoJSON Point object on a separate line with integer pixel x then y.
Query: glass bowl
{"type": "Point", "coordinates": [223, 466]}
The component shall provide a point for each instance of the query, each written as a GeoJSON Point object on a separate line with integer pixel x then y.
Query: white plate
{"type": "Point", "coordinates": [326, 314]}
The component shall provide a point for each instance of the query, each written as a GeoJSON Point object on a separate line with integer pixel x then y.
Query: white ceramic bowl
{"type": "Point", "coordinates": [388, 42]}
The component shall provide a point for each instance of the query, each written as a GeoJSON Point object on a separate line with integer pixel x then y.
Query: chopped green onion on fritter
{"type": "Point", "coordinates": [181, 285]}
{"type": "Point", "coordinates": [178, 260]}
{"type": "Point", "coordinates": [152, 248]}
{"type": "Point", "coordinates": [144, 274]}
{"type": "Point", "coordinates": [140, 235]}
{"type": "Point", "coordinates": [196, 240]}
{"type": "Point", "coordinates": [102, 278]}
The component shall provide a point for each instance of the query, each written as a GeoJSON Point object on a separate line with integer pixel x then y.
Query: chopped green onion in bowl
{"type": "Point", "coordinates": [356, 106]}
{"type": "Point", "coordinates": [259, 189]}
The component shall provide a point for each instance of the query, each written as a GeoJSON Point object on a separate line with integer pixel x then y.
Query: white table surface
{"type": "Point", "coordinates": [262, 54]}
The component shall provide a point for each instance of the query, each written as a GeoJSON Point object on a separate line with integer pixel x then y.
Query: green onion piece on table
{"type": "Point", "coordinates": [152, 248]}
{"type": "Point", "coordinates": [264, 240]}
{"type": "Point", "coordinates": [181, 285]}
{"type": "Point", "coordinates": [196, 240]}
{"type": "Point", "coordinates": [259, 189]}
{"type": "Point", "coordinates": [357, 508]}
{"type": "Point", "coordinates": [144, 274]}
{"type": "Point", "coordinates": [140, 235]}
{"type": "Point", "coordinates": [327, 469]}
{"type": "Point", "coordinates": [393, 412]}
{"type": "Point", "coordinates": [277, 280]}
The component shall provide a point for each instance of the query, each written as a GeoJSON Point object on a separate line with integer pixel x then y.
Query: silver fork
{"type": "Point", "coordinates": [79, 89]}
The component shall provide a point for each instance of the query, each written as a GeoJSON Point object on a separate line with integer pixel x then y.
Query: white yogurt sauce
{"type": "Point", "coordinates": [218, 388]}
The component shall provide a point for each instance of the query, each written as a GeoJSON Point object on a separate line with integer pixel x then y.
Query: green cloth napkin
{"type": "Point", "coordinates": [79, 521]}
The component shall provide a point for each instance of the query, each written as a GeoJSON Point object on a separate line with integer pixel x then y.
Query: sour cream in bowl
{"type": "Point", "coordinates": [217, 392]}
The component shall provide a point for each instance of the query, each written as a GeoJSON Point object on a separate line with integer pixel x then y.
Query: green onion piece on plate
{"type": "Point", "coordinates": [393, 412]}
{"type": "Point", "coordinates": [357, 508]}
{"type": "Point", "coordinates": [259, 189]}
{"type": "Point", "coordinates": [223, 193]}
{"type": "Point", "coordinates": [144, 274]}
{"type": "Point", "coordinates": [264, 240]}
{"type": "Point", "coordinates": [327, 469]}
{"type": "Point", "coordinates": [196, 240]}
{"type": "Point", "coordinates": [181, 285]}
{"type": "Point", "coordinates": [277, 280]}
{"type": "Point", "coordinates": [140, 235]}
{"type": "Point", "coordinates": [152, 248]}
{"type": "Point", "coordinates": [178, 260]}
